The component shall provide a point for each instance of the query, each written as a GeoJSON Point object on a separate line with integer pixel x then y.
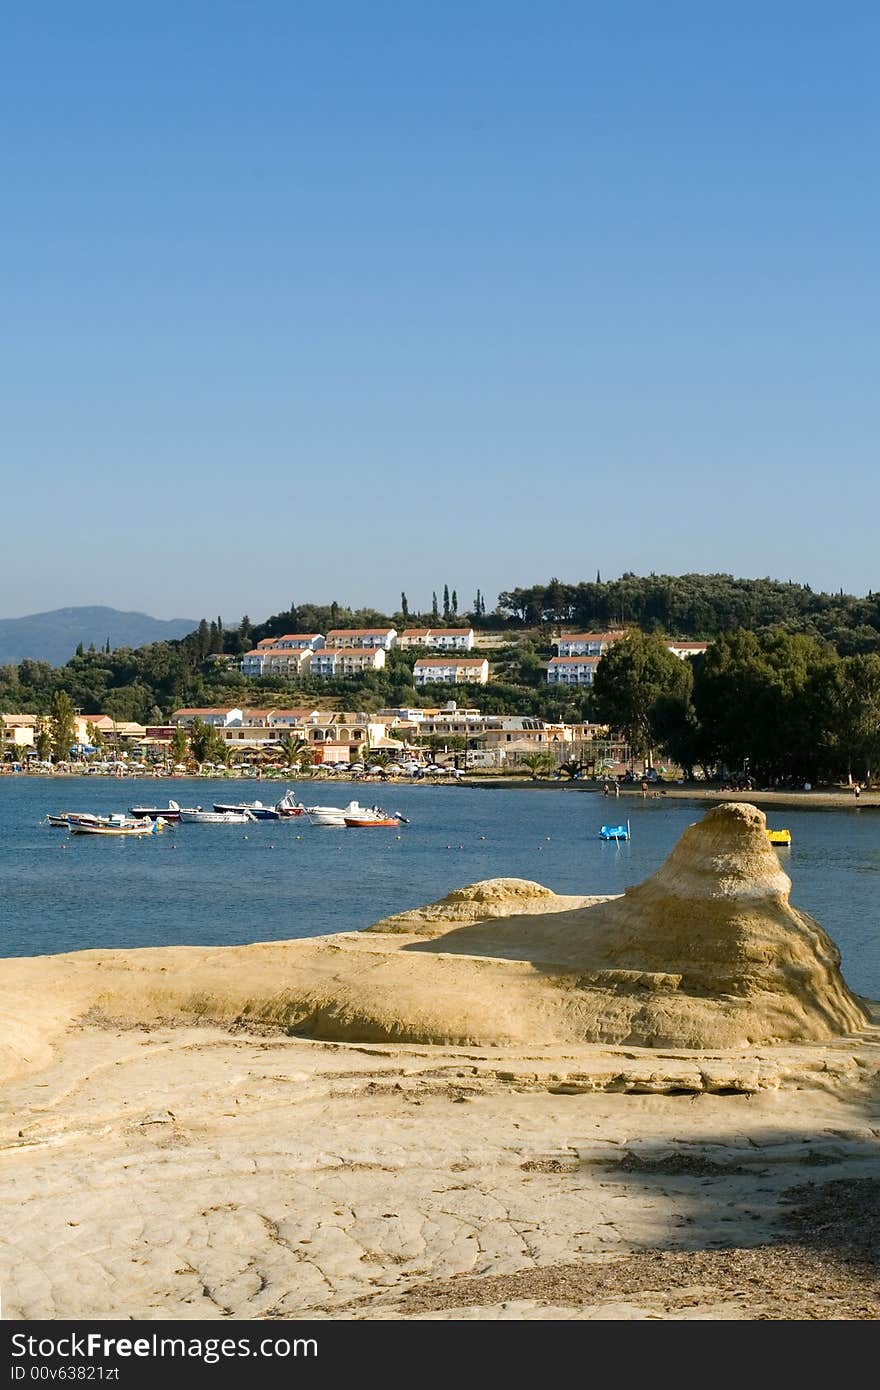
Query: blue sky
{"type": "Point", "coordinates": [325, 301]}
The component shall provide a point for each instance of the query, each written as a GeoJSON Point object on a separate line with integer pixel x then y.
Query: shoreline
{"type": "Point", "coordinates": [793, 800]}
{"type": "Point", "coordinates": [822, 800]}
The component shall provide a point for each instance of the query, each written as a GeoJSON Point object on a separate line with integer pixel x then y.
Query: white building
{"type": "Point", "coordinates": [686, 649]}
{"type": "Point", "coordinates": [214, 715]}
{"type": "Point", "coordinates": [345, 661]}
{"type": "Point", "coordinates": [451, 670]}
{"type": "Point", "coordinates": [19, 730]}
{"type": "Point", "coordinates": [280, 656]}
{"type": "Point", "coordinates": [276, 661]}
{"type": "Point", "coordinates": [587, 643]}
{"type": "Point", "coordinates": [442, 639]}
{"type": "Point", "coordinates": [348, 637]}
{"type": "Point", "coordinates": [572, 670]}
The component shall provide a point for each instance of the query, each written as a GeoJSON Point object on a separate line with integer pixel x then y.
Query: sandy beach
{"type": "Point", "coordinates": [193, 1172]}
{"type": "Point", "coordinates": [831, 799]}
{"type": "Point", "coordinates": [505, 1104]}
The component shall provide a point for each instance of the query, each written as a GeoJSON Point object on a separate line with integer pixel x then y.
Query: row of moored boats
{"type": "Point", "coordinates": [148, 820]}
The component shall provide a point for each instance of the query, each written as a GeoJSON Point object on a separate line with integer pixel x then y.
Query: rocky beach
{"type": "Point", "coordinates": [503, 1105]}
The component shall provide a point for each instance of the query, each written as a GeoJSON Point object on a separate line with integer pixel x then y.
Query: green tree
{"type": "Point", "coordinates": [571, 767]}
{"type": "Point", "coordinates": [454, 602]}
{"type": "Point", "coordinates": [404, 606]}
{"type": "Point", "coordinates": [849, 691]}
{"type": "Point", "coordinates": [61, 726]}
{"type": "Point", "coordinates": [539, 764]}
{"type": "Point", "coordinates": [95, 737]}
{"type": "Point", "coordinates": [756, 698]}
{"type": "Point", "coordinates": [631, 678]}
{"type": "Point", "coordinates": [43, 739]}
{"type": "Point", "coordinates": [295, 750]}
{"type": "Point", "coordinates": [446, 600]}
{"type": "Point", "coordinates": [179, 744]}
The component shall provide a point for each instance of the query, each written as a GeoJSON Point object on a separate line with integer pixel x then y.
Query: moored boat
{"type": "Point", "coordinates": [171, 812]}
{"type": "Point", "coordinates": [369, 816]}
{"type": "Point", "coordinates": [257, 809]}
{"type": "Point", "coordinates": [215, 817]}
{"type": "Point", "coordinates": [779, 837]}
{"type": "Point", "coordinates": [130, 828]}
{"type": "Point", "coordinates": [289, 806]}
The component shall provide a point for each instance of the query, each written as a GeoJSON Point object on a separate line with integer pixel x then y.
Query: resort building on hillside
{"type": "Point", "coordinates": [451, 670]}
{"type": "Point", "coordinates": [345, 661]}
{"type": "Point", "coordinates": [443, 639]}
{"type": "Point", "coordinates": [370, 637]}
{"type": "Point", "coordinates": [686, 649]}
{"type": "Point", "coordinates": [293, 641]}
{"type": "Point", "coordinates": [276, 661]}
{"type": "Point", "coordinates": [572, 670]}
{"type": "Point", "coordinates": [587, 643]}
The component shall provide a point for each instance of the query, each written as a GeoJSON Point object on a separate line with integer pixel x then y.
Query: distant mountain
{"type": "Point", "coordinates": [53, 637]}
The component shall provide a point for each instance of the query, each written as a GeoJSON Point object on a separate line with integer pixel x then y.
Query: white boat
{"type": "Point", "coordinates": [288, 806]}
{"type": "Point", "coordinates": [256, 808]}
{"type": "Point", "coordinates": [364, 817]}
{"type": "Point", "coordinates": [169, 813]}
{"type": "Point", "coordinates": [333, 815]}
{"type": "Point", "coordinates": [215, 817]}
{"type": "Point", "coordinates": [141, 827]}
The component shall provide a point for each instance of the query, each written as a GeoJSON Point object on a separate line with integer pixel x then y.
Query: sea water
{"type": "Point", "coordinates": [274, 880]}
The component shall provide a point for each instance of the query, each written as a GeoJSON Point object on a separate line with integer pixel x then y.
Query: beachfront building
{"type": "Point", "coordinates": [382, 638]}
{"type": "Point", "coordinates": [345, 661]}
{"type": "Point", "coordinates": [686, 649]}
{"type": "Point", "coordinates": [287, 719]}
{"type": "Point", "coordinates": [586, 643]}
{"type": "Point", "coordinates": [215, 715]}
{"type": "Point", "coordinates": [572, 670]}
{"type": "Point", "coordinates": [451, 670]}
{"type": "Point", "coordinates": [443, 639]}
{"type": "Point", "coordinates": [19, 730]}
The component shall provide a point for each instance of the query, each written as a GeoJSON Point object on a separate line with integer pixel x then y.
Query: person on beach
{"type": "Point", "coordinates": [605, 789]}
{"type": "Point", "coordinates": [857, 790]}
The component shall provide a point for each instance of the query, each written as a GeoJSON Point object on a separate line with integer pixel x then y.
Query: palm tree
{"type": "Point", "coordinates": [538, 764]}
{"type": "Point", "coordinates": [294, 750]}
{"type": "Point", "coordinates": [571, 767]}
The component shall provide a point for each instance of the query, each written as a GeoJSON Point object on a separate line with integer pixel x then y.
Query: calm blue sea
{"type": "Point", "coordinates": [271, 880]}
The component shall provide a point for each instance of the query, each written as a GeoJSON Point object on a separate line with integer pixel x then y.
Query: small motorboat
{"type": "Point", "coordinates": [289, 806]}
{"type": "Point", "coordinates": [122, 827]}
{"type": "Point", "coordinates": [328, 815]}
{"type": "Point", "coordinates": [367, 816]}
{"type": "Point", "coordinates": [779, 837]}
{"type": "Point", "coordinates": [614, 832]}
{"type": "Point", "coordinates": [257, 809]}
{"type": "Point", "coordinates": [216, 817]}
{"type": "Point", "coordinates": [171, 812]}
{"type": "Point", "coordinates": [61, 822]}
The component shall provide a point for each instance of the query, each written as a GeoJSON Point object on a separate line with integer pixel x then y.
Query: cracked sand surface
{"type": "Point", "coordinates": [191, 1172]}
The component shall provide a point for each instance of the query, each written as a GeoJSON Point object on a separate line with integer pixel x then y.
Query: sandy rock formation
{"type": "Point", "coordinates": [477, 902]}
{"type": "Point", "coordinates": [707, 953]}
